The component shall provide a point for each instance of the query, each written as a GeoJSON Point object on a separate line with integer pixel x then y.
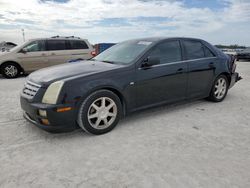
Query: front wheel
{"type": "Point", "coordinates": [10, 70]}
{"type": "Point", "coordinates": [219, 89]}
{"type": "Point", "coordinates": [100, 112]}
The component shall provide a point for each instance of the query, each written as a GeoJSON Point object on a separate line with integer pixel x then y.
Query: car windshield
{"type": "Point", "coordinates": [123, 53]}
{"type": "Point", "coordinates": [18, 46]}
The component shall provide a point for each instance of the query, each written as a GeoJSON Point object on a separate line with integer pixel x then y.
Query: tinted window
{"type": "Point", "coordinates": [35, 46]}
{"type": "Point", "coordinates": [56, 45]}
{"type": "Point", "coordinates": [169, 51]}
{"type": "Point", "coordinates": [78, 44]}
{"type": "Point", "coordinates": [194, 49]}
{"type": "Point", "coordinates": [208, 52]}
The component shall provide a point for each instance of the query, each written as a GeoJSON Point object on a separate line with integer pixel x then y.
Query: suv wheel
{"type": "Point", "coordinates": [10, 70]}
{"type": "Point", "coordinates": [219, 89]}
{"type": "Point", "coordinates": [100, 112]}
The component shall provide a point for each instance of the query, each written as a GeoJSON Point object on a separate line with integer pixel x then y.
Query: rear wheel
{"type": "Point", "coordinates": [100, 112]}
{"type": "Point", "coordinates": [10, 70]}
{"type": "Point", "coordinates": [219, 90]}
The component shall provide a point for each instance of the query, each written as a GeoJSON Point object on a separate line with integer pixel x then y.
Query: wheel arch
{"type": "Point", "coordinates": [227, 75]}
{"type": "Point", "coordinates": [112, 89]}
{"type": "Point", "coordinates": [121, 97]}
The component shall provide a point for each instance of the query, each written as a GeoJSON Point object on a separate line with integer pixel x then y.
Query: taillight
{"type": "Point", "coordinates": [232, 64]}
{"type": "Point", "coordinates": [93, 53]}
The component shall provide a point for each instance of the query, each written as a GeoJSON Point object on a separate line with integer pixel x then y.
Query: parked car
{"type": "Point", "coordinates": [230, 52]}
{"type": "Point", "coordinates": [6, 46]}
{"type": "Point", "coordinates": [245, 54]}
{"type": "Point", "coordinates": [129, 76]}
{"type": "Point", "coordinates": [44, 52]}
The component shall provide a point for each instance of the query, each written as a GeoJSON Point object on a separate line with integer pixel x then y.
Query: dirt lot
{"type": "Point", "coordinates": [195, 144]}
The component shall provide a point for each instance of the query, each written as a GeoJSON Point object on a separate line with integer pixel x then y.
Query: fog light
{"type": "Point", "coordinates": [45, 121]}
{"type": "Point", "coordinates": [42, 113]}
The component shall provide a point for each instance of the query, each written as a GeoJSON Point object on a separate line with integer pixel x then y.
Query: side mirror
{"type": "Point", "coordinates": [150, 61]}
{"type": "Point", "coordinates": [24, 50]}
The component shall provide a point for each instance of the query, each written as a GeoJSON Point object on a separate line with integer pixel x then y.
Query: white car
{"type": "Point", "coordinates": [44, 52]}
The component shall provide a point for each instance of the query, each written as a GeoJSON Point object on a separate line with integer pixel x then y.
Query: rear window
{"type": "Point", "coordinates": [56, 45]}
{"type": "Point", "coordinates": [194, 49]}
{"type": "Point", "coordinates": [78, 44]}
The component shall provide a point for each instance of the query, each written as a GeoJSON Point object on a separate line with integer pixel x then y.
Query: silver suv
{"type": "Point", "coordinates": [44, 52]}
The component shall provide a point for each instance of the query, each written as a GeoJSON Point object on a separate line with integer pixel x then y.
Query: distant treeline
{"type": "Point", "coordinates": [235, 46]}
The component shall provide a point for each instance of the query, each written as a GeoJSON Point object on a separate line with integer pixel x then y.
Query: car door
{"type": "Point", "coordinates": [164, 82]}
{"type": "Point", "coordinates": [33, 56]}
{"type": "Point", "coordinates": [201, 68]}
{"type": "Point", "coordinates": [79, 50]}
{"type": "Point", "coordinates": [57, 52]}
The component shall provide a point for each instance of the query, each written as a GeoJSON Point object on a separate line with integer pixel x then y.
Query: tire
{"type": "Point", "coordinates": [100, 112]}
{"type": "Point", "coordinates": [219, 89]}
{"type": "Point", "coordinates": [10, 70]}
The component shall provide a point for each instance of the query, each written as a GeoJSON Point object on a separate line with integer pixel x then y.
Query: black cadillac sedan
{"type": "Point", "coordinates": [129, 76]}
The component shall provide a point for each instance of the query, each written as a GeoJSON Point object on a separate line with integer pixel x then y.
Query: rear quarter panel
{"type": "Point", "coordinates": [222, 60]}
{"type": "Point", "coordinates": [80, 54]}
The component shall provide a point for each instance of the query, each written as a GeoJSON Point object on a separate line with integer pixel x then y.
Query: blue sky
{"type": "Point", "coordinates": [213, 4]}
{"type": "Point", "coordinates": [217, 21]}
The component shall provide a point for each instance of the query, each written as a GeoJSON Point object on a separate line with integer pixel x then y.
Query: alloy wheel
{"type": "Point", "coordinates": [220, 88]}
{"type": "Point", "coordinates": [102, 113]}
{"type": "Point", "coordinates": [10, 71]}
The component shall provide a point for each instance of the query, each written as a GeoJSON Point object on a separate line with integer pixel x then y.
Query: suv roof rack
{"type": "Point", "coordinates": [57, 36]}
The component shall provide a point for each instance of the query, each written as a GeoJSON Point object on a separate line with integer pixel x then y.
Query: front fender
{"type": "Point", "coordinates": [76, 90]}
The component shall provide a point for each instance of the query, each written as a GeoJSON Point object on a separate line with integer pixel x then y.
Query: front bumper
{"type": "Point", "coordinates": [58, 121]}
{"type": "Point", "coordinates": [234, 78]}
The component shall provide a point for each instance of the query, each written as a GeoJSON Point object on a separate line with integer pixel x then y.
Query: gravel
{"type": "Point", "coordinates": [189, 145]}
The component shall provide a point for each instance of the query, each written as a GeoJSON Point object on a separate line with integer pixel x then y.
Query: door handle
{"type": "Point", "coordinates": [180, 70]}
{"type": "Point", "coordinates": [43, 54]}
{"type": "Point", "coordinates": [211, 65]}
{"type": "Point", "coordinates": [53, 54]}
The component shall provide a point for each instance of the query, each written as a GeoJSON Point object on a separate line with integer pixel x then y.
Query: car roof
{"type": "Point", "coordinates": [58, 38]}
{"type": "Point", "coordinates": [158, 39]}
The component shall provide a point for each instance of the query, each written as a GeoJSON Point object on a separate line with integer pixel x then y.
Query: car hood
{"type": "Point", "coordinates": [4, 55]}
{"type": "Point", "coordinates": [82, 68]}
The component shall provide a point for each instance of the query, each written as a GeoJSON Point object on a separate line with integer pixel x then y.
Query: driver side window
{"type": "Point", "coordinates": [35, 46]}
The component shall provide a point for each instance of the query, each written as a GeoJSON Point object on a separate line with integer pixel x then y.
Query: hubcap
{"type": "Point", "coordinates": [11, 70]}
{"type": "Point", "coordinates": [220, 88]}
{"type": "Point", "coordinates": [102, 113]}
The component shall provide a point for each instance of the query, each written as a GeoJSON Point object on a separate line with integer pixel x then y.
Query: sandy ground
{"type": "Point", "coordinates": [195, 144]}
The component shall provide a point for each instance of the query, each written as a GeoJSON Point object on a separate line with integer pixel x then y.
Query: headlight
{"type": "Point", "coordinates": [52, 93]}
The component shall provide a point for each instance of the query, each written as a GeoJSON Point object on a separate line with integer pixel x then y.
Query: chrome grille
{"type": "Point", "coordinates": [30, 89]}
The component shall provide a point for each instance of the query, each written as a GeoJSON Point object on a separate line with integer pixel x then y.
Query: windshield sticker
{"type": "Point", "coordinates": [145, 43]}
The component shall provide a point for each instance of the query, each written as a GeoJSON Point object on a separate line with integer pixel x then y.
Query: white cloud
{"type": "Point", "coordinates": [76, 17]}
{"type": "Point", "coordinates": [238, 11]}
